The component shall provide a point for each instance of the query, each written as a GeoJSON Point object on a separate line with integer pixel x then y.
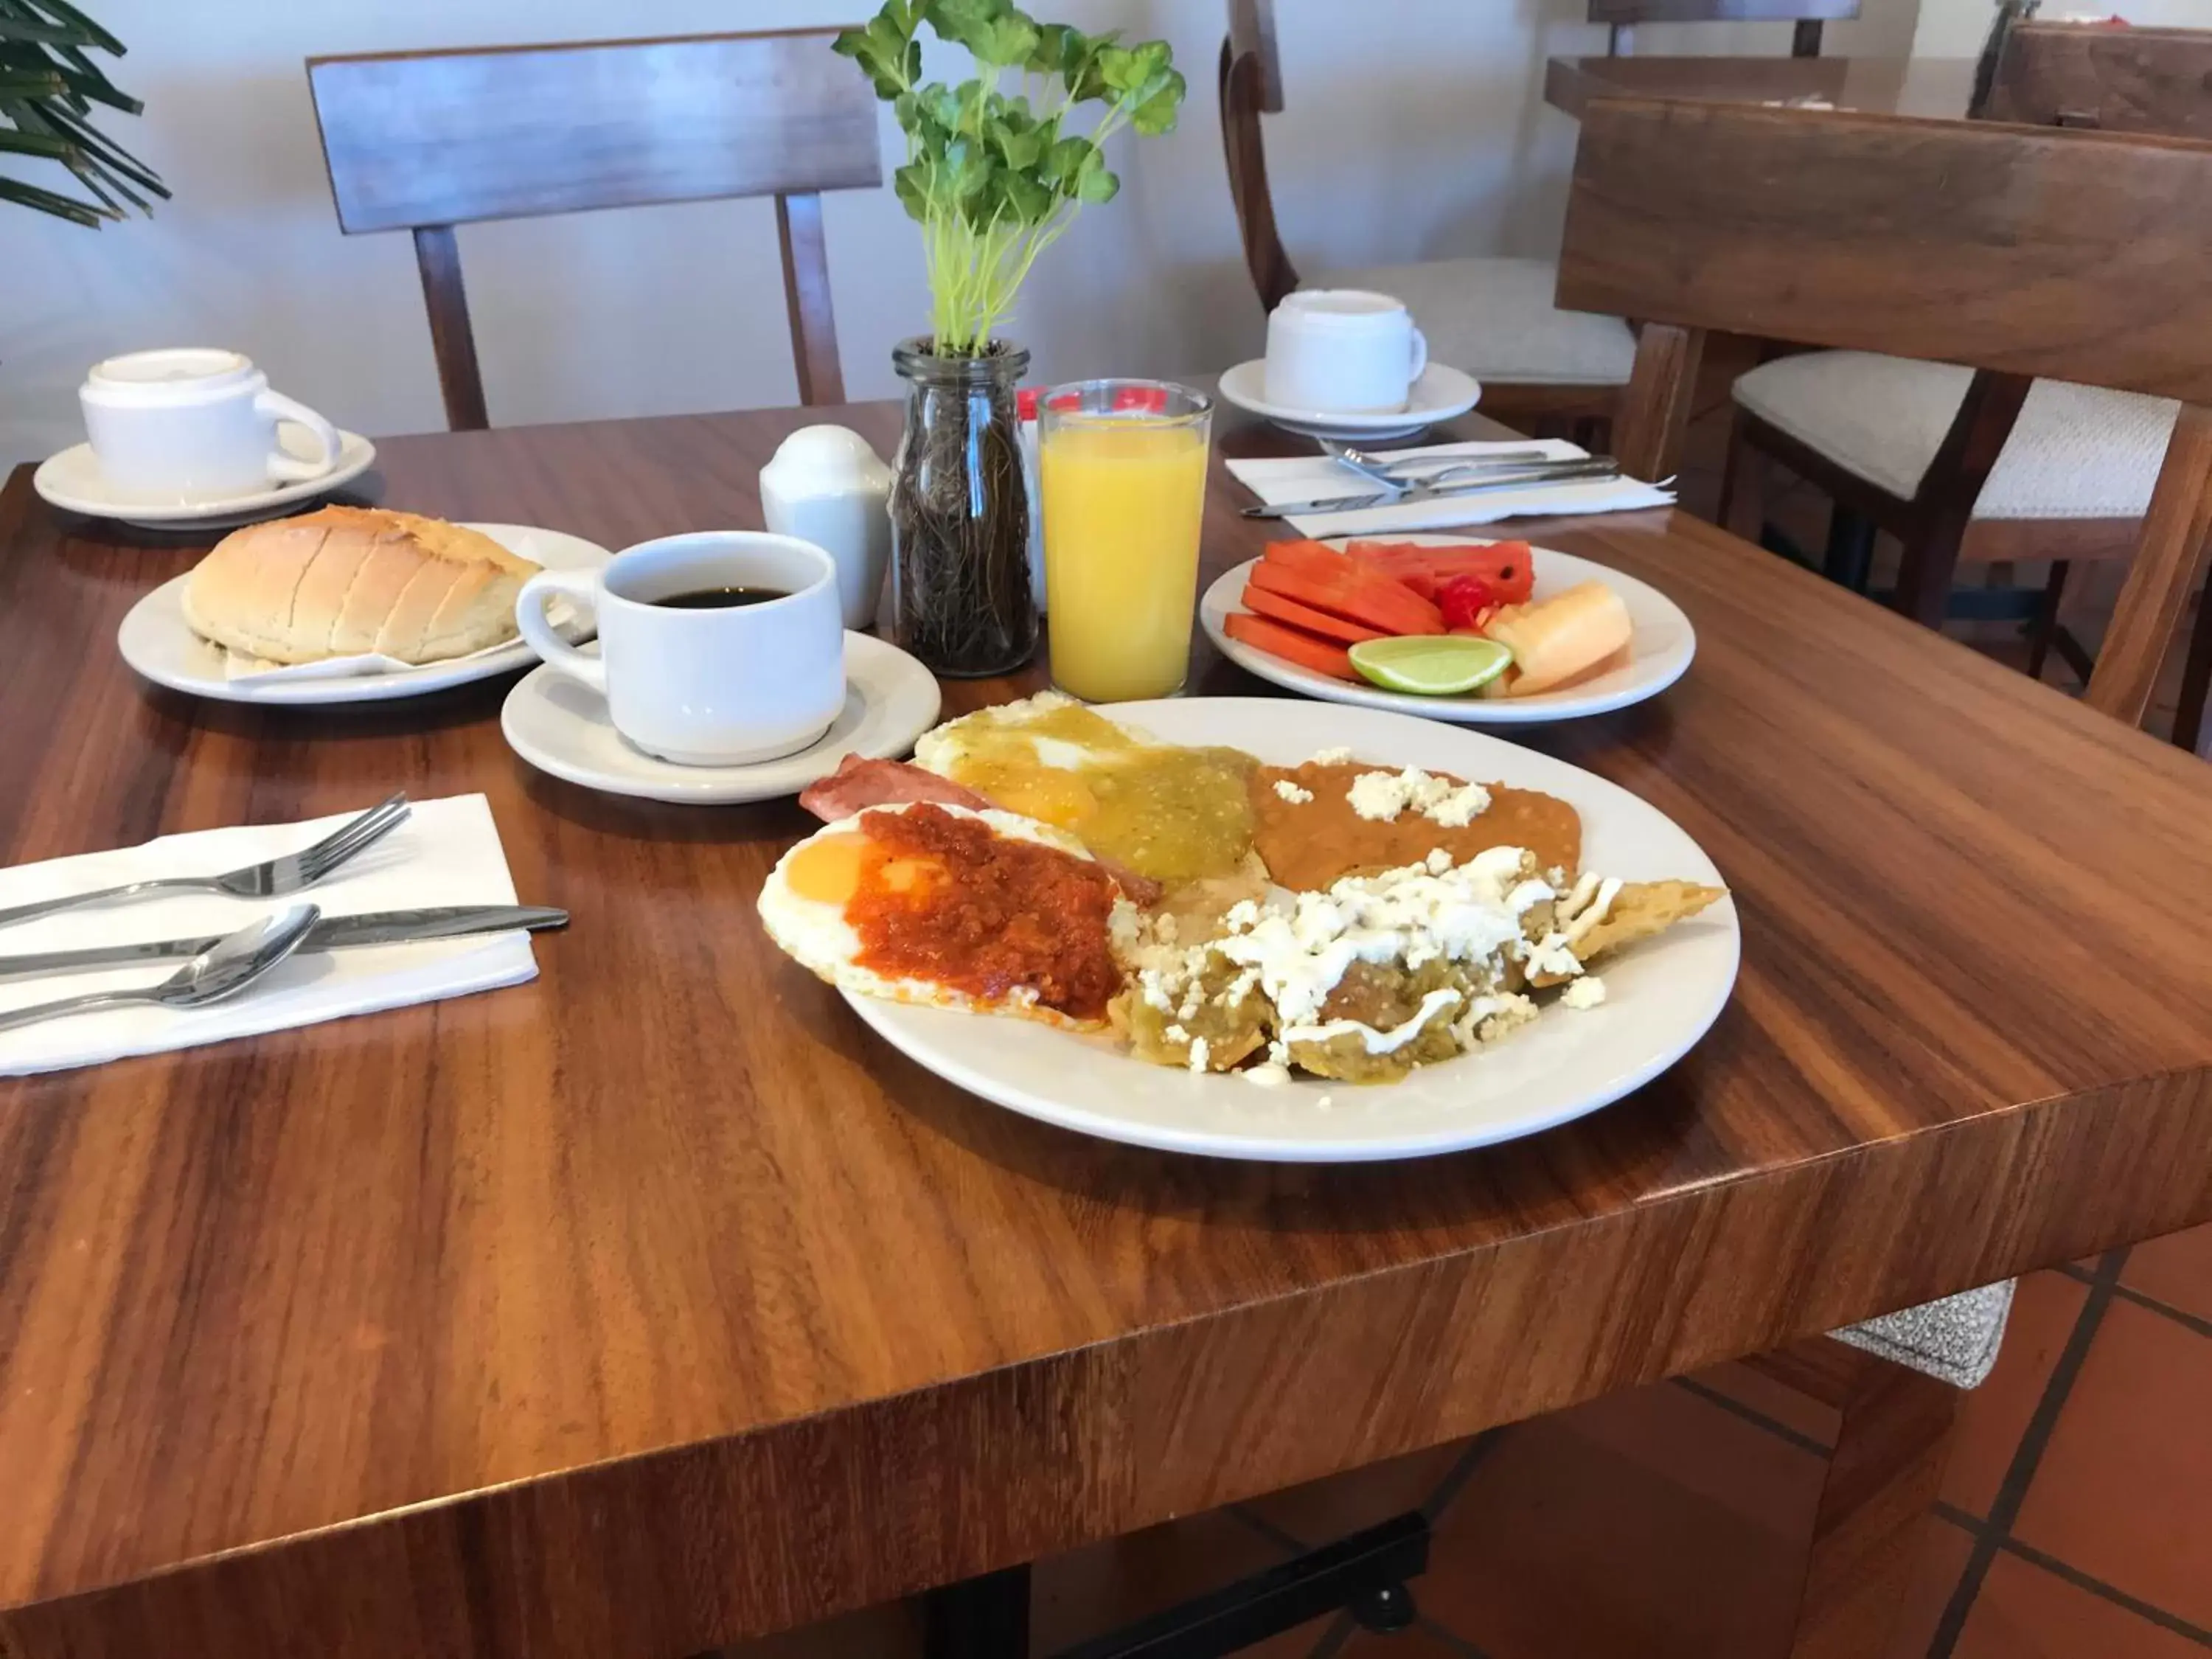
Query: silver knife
{"type": "Point", "coordinates": [1588, 472]}
{"type": "Point", "coordinates": [330, 933]}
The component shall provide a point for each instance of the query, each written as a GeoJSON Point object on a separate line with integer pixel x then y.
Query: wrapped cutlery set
{"type": "Point", "coordinates": [197, 937]}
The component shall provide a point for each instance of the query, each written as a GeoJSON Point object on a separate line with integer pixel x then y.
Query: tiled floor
{"type": "Point", "coordinates": [2076, 1513]}
{"type": "Point", "coordinates": [1672, 1523]}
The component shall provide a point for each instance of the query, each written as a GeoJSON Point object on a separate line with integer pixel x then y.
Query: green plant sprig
{"type": "Point", "coordinates": [48, 85]}
{"type": "Point", "coordinates": [995, 176]}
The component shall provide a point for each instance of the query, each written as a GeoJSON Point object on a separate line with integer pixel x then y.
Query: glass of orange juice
{"type": "Point", "coordinates": [1121, 468]}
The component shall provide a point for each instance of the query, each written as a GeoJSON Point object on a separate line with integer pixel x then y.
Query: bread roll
{"type": "Point", "coordinates": [346, 580]}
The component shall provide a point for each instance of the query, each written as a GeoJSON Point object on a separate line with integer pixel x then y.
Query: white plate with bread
{"type": "Point", "coordinates": [346, 605]}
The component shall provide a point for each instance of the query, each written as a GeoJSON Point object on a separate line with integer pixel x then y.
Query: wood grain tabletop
{"type": "Point", "coordinates": [655, 1303]}
{"type": "Point", "coordinates": [1940, 87]}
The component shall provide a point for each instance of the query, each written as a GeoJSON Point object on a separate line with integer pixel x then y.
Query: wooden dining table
{"type": "Point", "coordinates": [655, 1303]}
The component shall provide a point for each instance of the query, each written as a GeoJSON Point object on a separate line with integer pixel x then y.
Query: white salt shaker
{"type": "Point", "coordinates": [826, 486]}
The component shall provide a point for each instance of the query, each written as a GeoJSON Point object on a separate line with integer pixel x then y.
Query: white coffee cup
{"type": "Point", "coordinates": [726, 686]}
{"type": "Point", "coordinates": [193, 424]}
{"type": "Point", "coordinates": [1342, 351]}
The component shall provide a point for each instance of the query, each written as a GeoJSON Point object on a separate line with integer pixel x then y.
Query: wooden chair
{"type": "Point", "coordinates": [2016, 251]}
{"type": "Point", "coordinates": [1621, 17]}
{"type": "Point", "coordinates": [2120, 80]}
{"type": "Point", "coordinates": [2074, 472]}
{"type": "Point", "coordinates": [2023, 251]}
{"type": "Point", "coordinates": [427, 140]}
{"type": "Point", "coordinates": [1492, 317]}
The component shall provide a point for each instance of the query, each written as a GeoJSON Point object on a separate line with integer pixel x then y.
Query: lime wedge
{"type": "Point", "coordinates": [1431, 665]}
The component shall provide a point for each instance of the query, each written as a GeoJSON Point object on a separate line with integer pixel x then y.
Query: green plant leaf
{"type": "Point", "coordinates": [1155, 114]}
{"type": "Point", "coordinates": [1094, 183]}
{"type": "Point", "coordinates": [911, 182]}
{"type": "Point", "coordinates": [93, 35]}
{"type": "Point", "coordinates": [103, 149]}
{"type": "Point", "coordinates": [62, 207]}
{"type": "Point", "coordinates": [1082, 72]}
{"type": "Point", "coordinates": [35, 144]}
{"type": "Point", "coordinates": [45, 34]}
{"type": "Point", "coordinates": [1019, 197]}
{"type": "Point", "coordinates": [1064, 162]}
{"type": "Point", "coordinates": [1055, 44]}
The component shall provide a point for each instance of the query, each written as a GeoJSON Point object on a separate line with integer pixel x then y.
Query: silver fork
{"type": "Point", "coordinates": [1391, 475]}
{"type": "Point", "coordinates": [274, 878]}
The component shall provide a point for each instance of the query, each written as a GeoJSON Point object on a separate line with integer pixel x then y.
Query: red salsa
{"type": "Point", "coordinates": [982, 914]}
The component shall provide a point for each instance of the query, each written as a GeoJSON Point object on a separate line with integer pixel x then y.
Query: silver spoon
{"type": "Point", "coordinates": [226, 968]}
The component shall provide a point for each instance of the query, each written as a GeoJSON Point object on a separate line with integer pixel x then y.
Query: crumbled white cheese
{"type": "Point", "coordinates": [1152, 985]}
{"type": "Point", "coordinates": [1197, 1054]}
{"type": "Point", "coordinates": [1457, 808]}
{"type": "Point", "coordinates": [1174, 1034]}
{"type": "Point", "coordinates": [1468, 914]}
{"type": "Point", "coordinates": [1291, 792]}
{"type": "Point", "coordinates": [1382, 796]}
{"type": "Point", "coordinates": [1163, 929]}
{"type": "Point", "coordinates": [1269, 1076]}
{"type": "Point", "coordinates": [1125, 926]}
{"type": "Point", "coordinates": [1378, 797]}
{"type": "Point", "coordinates": [1331, 757]}
{"type": "Point", "coordinates": [1586, 992]}
{"type": "Point", "coordinates": [1326, 1102]}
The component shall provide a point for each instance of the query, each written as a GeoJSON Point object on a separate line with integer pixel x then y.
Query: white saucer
{"type": "Point", "coordinates": [1438, 395]}
{"type": "Point", "coordinates": [156, 640]}
{"type": "Point", "coordinates": [562, 727]}
{"type": "Point", "coordinates": [72, 480]}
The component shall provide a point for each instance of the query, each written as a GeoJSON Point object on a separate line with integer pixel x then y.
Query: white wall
{"type": "Point", "coordinates": [1415, 128]}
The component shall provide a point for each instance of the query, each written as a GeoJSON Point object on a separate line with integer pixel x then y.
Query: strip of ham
{"type": "Point", "coordinates": [859, 783]}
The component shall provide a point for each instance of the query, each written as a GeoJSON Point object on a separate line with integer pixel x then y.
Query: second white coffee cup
{"type": "Point", "coordinates": [719, 648]}
{"type": "Point", "coordinates": [1343, 351]}
{"type": "Point", "coordinates": [190, 424]}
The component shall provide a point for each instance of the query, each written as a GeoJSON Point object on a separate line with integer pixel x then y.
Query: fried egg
{"type": "Point", "coordinates": [987, 912]}
{"type": "Point", "coordinates": [1174, 814]}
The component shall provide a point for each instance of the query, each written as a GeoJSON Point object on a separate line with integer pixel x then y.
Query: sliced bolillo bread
{"type": "Point", "coordinates": [347, 580]}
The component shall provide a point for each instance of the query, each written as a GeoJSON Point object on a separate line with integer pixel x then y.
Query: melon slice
{"type": "Point", "coordinates": [1555, 640]}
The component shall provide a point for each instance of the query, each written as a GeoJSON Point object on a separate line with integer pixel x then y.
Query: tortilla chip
{"type": "Point", "coordinates": [1639, 909]}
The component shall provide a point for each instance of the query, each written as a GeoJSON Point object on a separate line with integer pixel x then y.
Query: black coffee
{"type": "Point", "coordinates": [720, 598]}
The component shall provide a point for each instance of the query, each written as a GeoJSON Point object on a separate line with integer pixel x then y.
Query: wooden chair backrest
{"type": "Point", "coordinates": [1250, 82]}
{"type": "Point", "coordinates": [2117, 80]}
{"type": "Point", "coordinates": [2016, 251]}
{"type": "Point", "coordinates": [425, 141]}
{"type": "Point", "coordinates": [1622, 16]}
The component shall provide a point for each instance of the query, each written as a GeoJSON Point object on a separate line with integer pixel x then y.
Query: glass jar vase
{"type": "Point", "coordinates": [961, 599]}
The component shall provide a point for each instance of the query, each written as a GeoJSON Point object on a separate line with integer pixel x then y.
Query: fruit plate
{"type": "Point", "coordinates": [1660, 650]}
{"type": "Point", "coordinates": [1661, 996]}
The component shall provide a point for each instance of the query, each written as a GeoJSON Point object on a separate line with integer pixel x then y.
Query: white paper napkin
{"type": "Point", "coordinates": [1306, 478]}
{"type": "Point", "coordinates": [238, 665]}
{"type": "Point", "coordinates": [447, 853]}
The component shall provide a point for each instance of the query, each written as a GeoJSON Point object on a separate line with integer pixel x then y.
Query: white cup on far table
{"type": "Point", "coordinates": [191, 424]}
{"type": "Point", "coordinates": [1342, 351]}
{"type": "Point", "coordinates": [720, 684]}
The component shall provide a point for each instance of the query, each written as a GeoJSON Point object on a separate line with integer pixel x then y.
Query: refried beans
{"type": "Point", "coordinates": [1306, 845]}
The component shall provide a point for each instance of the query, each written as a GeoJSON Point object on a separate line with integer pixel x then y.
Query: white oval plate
{"type": "Point", "coordinates": [1660, 650]}
{"type": "Point", "coordinates": [1662, 996]}
{"type": "Point", "coordinates": [73, 480]}
{"type": "Point", "coordinates": [157, 641]}
{"type": "Point", "coordinates": [1440, 394]}
{"type": "Point", "coordinates": [562, 727]}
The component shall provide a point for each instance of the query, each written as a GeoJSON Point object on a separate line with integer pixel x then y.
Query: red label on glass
{"type": "Point", "coordinates": [1141, 399]}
